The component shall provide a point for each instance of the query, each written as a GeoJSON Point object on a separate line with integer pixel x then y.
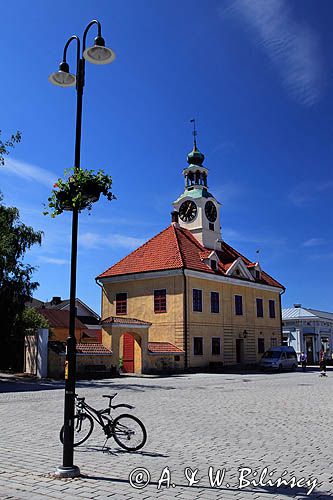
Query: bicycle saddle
{"type": "Point", "coordinates": [108, 396]}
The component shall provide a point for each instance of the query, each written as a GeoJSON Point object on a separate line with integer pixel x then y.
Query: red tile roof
{"type": "Point", "coordinates": [163, 347]}
{"type": "Point", "coordinates": [123, 320]}
{"type": "Point", "coordinates": [60, 319]}
{"type": "Point", "coordinates": [93, 350]}
{"type": "Point", "coordinates": [177, 248]}
{"type": "Point", "coordinates": [93, 334]}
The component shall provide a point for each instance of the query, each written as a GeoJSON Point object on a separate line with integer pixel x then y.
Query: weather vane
{"type": "Point", "coordinates": [195, 133]}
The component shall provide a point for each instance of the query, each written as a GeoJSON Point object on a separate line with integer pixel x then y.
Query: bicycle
{"type": "Point", "coordinates": [127, 430]}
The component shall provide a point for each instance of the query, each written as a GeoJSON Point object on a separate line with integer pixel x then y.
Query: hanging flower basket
{"type": "Point", "coordinates": [80, 190]}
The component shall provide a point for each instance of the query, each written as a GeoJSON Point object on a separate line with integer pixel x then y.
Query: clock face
{"type": "Point", "coordinates": [188, 211]}
{"type": "Point", "coordinates": [210, 211]}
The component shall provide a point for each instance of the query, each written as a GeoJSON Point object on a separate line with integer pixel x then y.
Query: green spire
{"type": "Point", "coordinates": [195, 157]}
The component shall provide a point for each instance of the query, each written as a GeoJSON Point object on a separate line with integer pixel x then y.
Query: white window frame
{"type": "Point", "coordinates": [202, 301]}
{"type": "Point", "coordinates": [263, 309]}
{"type": "Point", "coordinates": [211, 312]}
{"type": "Point", "coordinates": [238, 295]}
{"type": "Point", "coordinates": [269, 310]}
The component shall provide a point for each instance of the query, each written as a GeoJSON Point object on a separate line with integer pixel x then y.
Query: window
{"type": "Point", "coordinates": [211, 226]}
{"type": "Point", "coordinates": [273, 342]}
{"type": "Point", "coordinates": [238, 305]}
{"type": "Point", "coordinates": [214, 302]}
{"type": "Point", "coordinates": [257, 275]}
{"type": "Point", "coordinates": [216, 346]}
{"type": "Point", "coordinates": [121, 303]}
{"type": "Point", "coordinates": [160, 301]}
{"type": "Point", "coordinates": [272, 308]}
{"type": "Point", "coordinates": [198, 346]}
{"type": "Point", "coordinates": [261, 346]}
{"type": "Point", "coordinates": [197, 300]}
{"type": "Point", "coordinates": [260, 309]}
{"type": "Point", "coordinates": [213, 265]}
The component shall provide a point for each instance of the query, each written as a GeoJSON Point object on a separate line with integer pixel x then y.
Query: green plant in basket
{"type": "Point", "coordinates": [79, 190]}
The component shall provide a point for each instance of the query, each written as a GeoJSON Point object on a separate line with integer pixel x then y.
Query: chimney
{"type": "Point", "coordinates": [174, 218]}
{"type": "Point", "coordinates": [297, 306]}
{"type": "Point", "coordinates": [55, 301]}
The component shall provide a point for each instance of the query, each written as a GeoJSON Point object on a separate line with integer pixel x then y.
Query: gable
{"type": "Point", "coordinates": [239, 270]}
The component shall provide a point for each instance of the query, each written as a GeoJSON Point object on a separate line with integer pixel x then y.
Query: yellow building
{"type": "Point", "coordinates": [186, 299]}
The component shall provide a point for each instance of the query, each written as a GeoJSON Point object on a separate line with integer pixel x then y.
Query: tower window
{"type": "Point", "coordinates": [160, 301]}
{"type": "Point", "coordinates": [211, 226]}
{"type": "Point", "coordinates": [121, 303]}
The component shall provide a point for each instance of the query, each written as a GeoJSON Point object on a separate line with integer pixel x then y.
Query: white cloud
{"type": "Point", "coordinates": [292, 46]}
{"type": "Point", "coordinates": [29, 172]}
{"type": "Point", "coordinates": [313, 242]}
{"type": "Point", "coordinates": [94, 240]}
{"type": "Point", "coordinates": [53, 260]}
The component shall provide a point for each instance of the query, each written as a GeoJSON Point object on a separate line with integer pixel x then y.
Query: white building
{"type": "Point", "coordinates": [308, 330]}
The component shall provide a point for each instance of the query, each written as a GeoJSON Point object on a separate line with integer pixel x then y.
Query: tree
{"type": "Point", "coordinates": [32, 320]}
{"type": "Point", "coordinates": [16, 283]}
{"type": "Point", "coordinates": [10, 143]}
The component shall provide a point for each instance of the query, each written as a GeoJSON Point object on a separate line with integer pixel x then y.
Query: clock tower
{"type": "Point", "coordinates": [198, 210]}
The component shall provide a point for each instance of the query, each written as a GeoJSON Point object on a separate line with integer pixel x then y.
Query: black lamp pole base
{"type": "Point", "coordinates": [72, 471]}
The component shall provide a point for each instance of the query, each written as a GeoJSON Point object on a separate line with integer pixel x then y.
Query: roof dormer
{"type": "Point", "coordinates": [210, 259]}
{"type": "Point", "coordinates": [239, 270]}
{"type": "Point", "coordinates": [255, 270]}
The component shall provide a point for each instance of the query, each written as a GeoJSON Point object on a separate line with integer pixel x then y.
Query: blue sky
{"type": "Point", "coordinates": [256, 75]}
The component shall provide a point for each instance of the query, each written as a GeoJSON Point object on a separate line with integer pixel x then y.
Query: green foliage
{"type": "Point", "coordinates": [10, 143]}
{"type": "Point", "coordinates": [16, 284]}
{"type": "Point", "coordinates": [79, 190]}
{"type": "Point", "coordinates": [32, 319]}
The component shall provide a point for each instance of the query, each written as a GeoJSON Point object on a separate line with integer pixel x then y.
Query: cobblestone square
{"type": "Point", "coordinates": [228, 422]}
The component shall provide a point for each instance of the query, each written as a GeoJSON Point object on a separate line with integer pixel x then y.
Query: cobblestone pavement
{"type": "Point", "coordinates": [225, 421]}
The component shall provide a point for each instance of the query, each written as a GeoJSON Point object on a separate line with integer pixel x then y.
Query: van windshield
{"type": "Point", "coordinates": [272, 354]}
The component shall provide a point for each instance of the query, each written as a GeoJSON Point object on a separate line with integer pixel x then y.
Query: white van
{"type": "Point", "coordinates": [279, 358]}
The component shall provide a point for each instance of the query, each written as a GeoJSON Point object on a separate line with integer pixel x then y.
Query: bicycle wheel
{"type": "Point", "coordinates": [83, 427]}
{"type": "Point", "coordinates": [129, 432]}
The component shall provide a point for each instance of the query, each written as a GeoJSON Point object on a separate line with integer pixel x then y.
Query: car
{"type": "Point", "coordinates": [279, 358]}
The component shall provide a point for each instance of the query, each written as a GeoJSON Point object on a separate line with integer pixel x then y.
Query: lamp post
{"type": "Point", "coordinates": [98, 54]}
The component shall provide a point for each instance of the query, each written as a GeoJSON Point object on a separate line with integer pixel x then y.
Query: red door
{"type": "Point", "coordinates": [128, 353]}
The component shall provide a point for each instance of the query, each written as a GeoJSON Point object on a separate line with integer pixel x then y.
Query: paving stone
{"type": "Point", "coordinates": [193, 421]}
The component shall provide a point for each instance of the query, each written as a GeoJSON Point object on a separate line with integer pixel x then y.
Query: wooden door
{"type": "Point", "coordinates": [128, 353]}
{"type": "Point", "coordinates": [239, 351]}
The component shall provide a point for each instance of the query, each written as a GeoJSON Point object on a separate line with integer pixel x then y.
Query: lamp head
{"type": "Point", "coordinates": [99, 54]}
{"type": "Point", "coordinates": [63, 78]}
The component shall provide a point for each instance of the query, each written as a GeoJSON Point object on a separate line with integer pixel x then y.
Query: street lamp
{"type": "Point", "coordinates": [98, 54]}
